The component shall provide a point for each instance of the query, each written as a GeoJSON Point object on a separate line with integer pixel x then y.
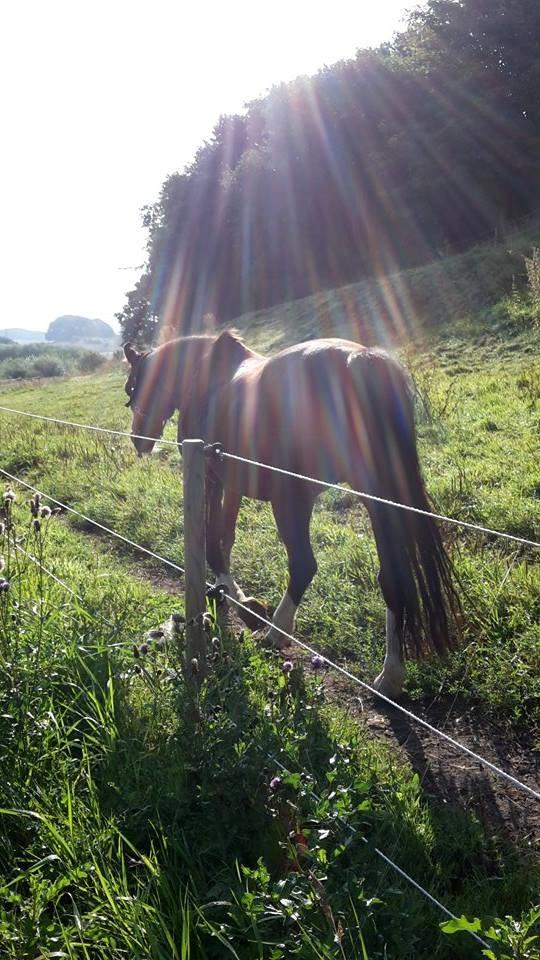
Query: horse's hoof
{"type": "Point", "coordinates": [255, 616]}
{"type": "Point", "coordinates": [390, 687]}
{"type": "Point", "coordinates": [274, 638]}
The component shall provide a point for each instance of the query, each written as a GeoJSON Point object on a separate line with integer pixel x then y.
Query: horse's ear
{"type": "Point", "coordinates": [228, 339]}
{"type": "Point", "coordinates": [131, 353]}
{"type": "Point", "coordinates": [228, 352]}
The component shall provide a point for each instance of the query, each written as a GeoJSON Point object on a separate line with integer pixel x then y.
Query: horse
{"type": "Point", "coordinates": [331, 410]}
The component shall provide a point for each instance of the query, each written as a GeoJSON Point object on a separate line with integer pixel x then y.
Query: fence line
{"type": "Point", "coordinates": [295, 640]}
{"type": "Point", "coordinates": [288, 473]}
{"type": "Point", "coordinates": [429, 896]}
{"type": "Point", "coordinates": [335, 666]}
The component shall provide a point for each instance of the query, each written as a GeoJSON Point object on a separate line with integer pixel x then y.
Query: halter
{"type": "Point", "coordinates": [136, 409]}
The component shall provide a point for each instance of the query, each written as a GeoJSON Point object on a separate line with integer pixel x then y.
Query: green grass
{"type": "Point", "coordinates": [133, 827]}
{"type": "Point", "coordinates": [479, 445]}
{"type": "Point", "coordinates": [135, 823]}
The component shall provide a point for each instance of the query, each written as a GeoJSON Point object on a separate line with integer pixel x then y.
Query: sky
{"type": "Point", "coordinates": [102, 100]}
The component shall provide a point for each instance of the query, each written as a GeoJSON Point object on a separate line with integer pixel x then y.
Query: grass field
{"type": "Point", "coordinates": [121, 834]}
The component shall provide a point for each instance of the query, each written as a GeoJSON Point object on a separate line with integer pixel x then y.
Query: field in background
{"type": "Point", "coordinates": [23, 361]}
{"type": "Point", "coordinates": [129, 840]}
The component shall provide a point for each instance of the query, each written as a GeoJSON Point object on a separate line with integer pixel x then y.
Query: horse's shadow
{"type": "Point", "coordinates": [452, 778]}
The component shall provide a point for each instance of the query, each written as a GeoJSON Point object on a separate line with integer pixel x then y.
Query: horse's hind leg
{"type": "Point", "coordinates": [292, 512]}
{"type": "Point", "coordinates": [390, 679]}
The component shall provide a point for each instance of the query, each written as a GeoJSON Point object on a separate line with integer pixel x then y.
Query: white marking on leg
{"type": "Point", "coordinates": [390, 680]}
{"type": "Point", "coordinates": [283, 618]}
{"type": "Point", "coordinates": [231, 587]}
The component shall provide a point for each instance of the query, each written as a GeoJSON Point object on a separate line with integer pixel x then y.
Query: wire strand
{"type": "Point", "coordinates": [383, 500]}
{"type": "Point", "coordinates": [392, 864]}
{"type": "Point", "coordinates": [392, 703]}
{"type": "Point", "coordinates": [288, 473]}
{"type": "Point", "coordinates": [95, 523]}
{"type": "Point", "coordinates": [89, 426]}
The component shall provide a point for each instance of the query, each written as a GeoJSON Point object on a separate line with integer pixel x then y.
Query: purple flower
{"type": "Point", "coordinates": [275, 783]}
{"type": "Point", "coordinates": [318, 662]}
{"type": "Point", "coordinates": [287, 666]}
{"type": "Point", "coordinates": [4, 585]}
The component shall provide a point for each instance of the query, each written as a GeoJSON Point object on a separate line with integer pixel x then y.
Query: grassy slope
{"type": "Point", "coordinates": [478, 384]}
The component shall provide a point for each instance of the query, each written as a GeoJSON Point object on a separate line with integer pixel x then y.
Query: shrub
{"type": "Point", "coordinates": [15, 369]}
{"type": "Point", "coordinates": [532, 265]}
{"type": "Point", "coordinates": [47, 367]}
{"type": "Point", "coordinates": [90, 361]}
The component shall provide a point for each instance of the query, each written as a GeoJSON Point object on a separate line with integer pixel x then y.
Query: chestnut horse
{"type": "Point", "coordinates": [328, 409]}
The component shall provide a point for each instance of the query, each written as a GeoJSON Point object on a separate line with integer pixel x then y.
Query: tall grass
{"type": "Point", "coordinates": [132, 825]}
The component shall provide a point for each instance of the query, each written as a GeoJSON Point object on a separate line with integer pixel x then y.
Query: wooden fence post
{"type": "Point", "coordinates": [194, 472]}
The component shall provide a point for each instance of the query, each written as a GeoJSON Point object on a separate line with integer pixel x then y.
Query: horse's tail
{"type": "Point", "coordinates": [416, 575]}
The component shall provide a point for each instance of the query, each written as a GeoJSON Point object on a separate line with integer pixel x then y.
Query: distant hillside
{"type": "Point", "coordinates": [74, 329]}
{"type": "Point", "coordinates": [19, 335]}
{"type": "Point", "coordinates": [396, 308]}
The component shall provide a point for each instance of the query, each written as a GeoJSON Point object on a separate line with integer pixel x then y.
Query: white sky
{"type": "Point", "coordinates": [101, 99]}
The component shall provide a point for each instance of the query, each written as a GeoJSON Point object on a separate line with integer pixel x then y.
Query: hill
{"type": "Point", "coordinates": [20, 335]}
{"type": "Point", "coordinates": [74, 329]}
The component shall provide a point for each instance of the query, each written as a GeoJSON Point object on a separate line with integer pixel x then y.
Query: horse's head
{"type": "Point", "coordinates": [149, 397]}
{"type": "Point", "coordinates": [177, 375]}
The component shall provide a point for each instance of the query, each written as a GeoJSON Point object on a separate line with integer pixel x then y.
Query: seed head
{"type": "Point", "coordinates": [9, 496]}
{"type": "Point", "coordinates": [287, 666]}
{"type": "Point", "coordinates": [36, 525]}
{"type": "Point", "coordinates": [4, 585]}
{"type": "Point", "coordinates": [45, 512]}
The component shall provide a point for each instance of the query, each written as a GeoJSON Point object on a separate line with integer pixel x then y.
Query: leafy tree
{"type": "Point", "coordinates": [422, 147]}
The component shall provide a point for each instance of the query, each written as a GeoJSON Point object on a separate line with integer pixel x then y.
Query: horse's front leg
{"type": "Point", "coordinates": [220, 535]}
{"type": "Point", "coordinates": [222, 514]}
{"type": "Point", "coordinates": [292, 512]}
